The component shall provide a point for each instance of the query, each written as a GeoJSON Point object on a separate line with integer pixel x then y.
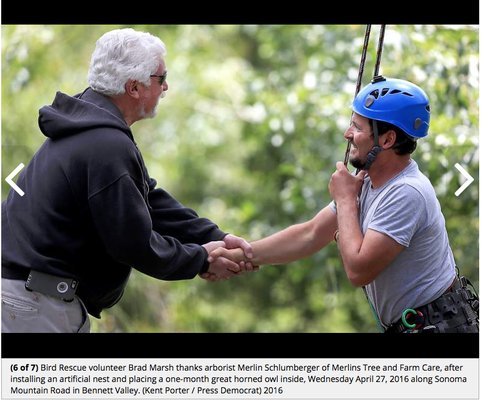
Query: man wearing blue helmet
{"type": "Point", "coordinates": [392, 237]}
{"type": "Point", "coordinates": [393, 104]}
{"type": "Point", "coordinates": [386, 220]}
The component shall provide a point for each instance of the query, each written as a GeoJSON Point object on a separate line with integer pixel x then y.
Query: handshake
{"type": "Point", "coordinates": [227, 258]}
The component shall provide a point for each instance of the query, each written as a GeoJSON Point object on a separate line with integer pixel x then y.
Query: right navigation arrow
{"type": "Point", "coordinates": [469, 180]}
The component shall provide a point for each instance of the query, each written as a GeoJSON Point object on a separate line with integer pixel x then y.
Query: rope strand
{"type": "Point", "coordinates": [359, 80]}
{"type": "Point", "coordinates": [380, 44]}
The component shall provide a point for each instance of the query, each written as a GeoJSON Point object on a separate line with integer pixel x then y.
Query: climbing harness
{"type": "Point", "coordinates": [456, 311]}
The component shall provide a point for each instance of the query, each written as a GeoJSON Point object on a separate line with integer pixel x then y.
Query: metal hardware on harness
{"type": "Point", "coordinates": [418, 320]}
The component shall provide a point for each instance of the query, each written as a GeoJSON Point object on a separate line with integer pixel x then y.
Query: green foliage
{"type": "Point", "coordinates": [248, 136]}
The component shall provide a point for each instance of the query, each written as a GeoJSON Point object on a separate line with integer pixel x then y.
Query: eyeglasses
{"type": "Point", "coordinates": [162, 78]}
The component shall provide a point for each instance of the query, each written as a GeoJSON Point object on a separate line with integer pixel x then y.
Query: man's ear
{"type": "Point", "coordinates": [132, 88]}
{"type": "Point", "coordinates": [388, 140]}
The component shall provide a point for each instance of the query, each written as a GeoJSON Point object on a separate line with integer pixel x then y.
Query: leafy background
{"type": "Point", "coordinates": [248, 136]}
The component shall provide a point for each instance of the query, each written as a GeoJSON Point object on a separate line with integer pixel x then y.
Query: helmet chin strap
{"type": "Point", "coordinates": [371, 156]}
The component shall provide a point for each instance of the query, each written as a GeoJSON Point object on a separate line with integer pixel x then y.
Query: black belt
{"type": "Point", "coordinates": [52, 285]}
{"type": "Point", "coordinates": [15, 273]}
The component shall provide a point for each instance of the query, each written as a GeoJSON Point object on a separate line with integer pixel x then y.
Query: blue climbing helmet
{"type": "Point", "coordinates": [398, 102]}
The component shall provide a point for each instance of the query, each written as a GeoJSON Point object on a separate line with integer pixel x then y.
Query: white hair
{"type": "Point", "coordinates": [124, 54]}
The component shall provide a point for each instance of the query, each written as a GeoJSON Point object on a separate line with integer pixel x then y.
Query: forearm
{"type": "Point", "coordinates": [350, 238]}
{"type": "Point", "coordinates": [288, 245]}
{"type": "Point", "coordinates": [291, 244]}
{"type": "Point", "coordinates": [344, 189]}
{"type": "Point", "coordinates": [279, 248]}
{"type": "Point", "coordinates": [297, 241]}
{"type": "Point", "coordinates": [282, 247]}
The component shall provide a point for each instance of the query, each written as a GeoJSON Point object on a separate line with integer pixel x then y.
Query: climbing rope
{"type": "Point", "coordinates": [379, 50]}
{"type": "Point", "coordinates": [348, 149]}
{"type": "Point", "coordinates": [359, 79]}
{"type": "Point", "coordinates": [361, 69]}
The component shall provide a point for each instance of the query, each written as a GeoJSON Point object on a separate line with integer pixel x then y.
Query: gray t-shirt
{"type": "Point", "coordinates": [406, 209]}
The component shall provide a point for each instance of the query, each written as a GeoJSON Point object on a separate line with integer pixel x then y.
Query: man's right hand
{"type": "Point", "coordinates": [221, 268]}
{"type": "Point", "coordinates": [221, 255]}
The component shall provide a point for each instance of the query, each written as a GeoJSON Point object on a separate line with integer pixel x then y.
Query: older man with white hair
{"type": "Point", "coordinates": [91, 212]}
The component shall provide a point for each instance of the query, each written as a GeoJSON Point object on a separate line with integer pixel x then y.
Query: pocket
{"type": "Point", "coordinates": [85, 326]}
{"type": "Point", "coordinates": [18, 306]}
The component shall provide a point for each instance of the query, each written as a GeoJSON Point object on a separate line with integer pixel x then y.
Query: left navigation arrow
{"type": "Point", "coordinates": [9, 180]}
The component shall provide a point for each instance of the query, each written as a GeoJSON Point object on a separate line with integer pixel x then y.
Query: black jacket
{"type": "Point", "coordinates": [91, 211]}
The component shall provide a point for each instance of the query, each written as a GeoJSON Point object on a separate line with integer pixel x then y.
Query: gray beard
{"type": "Point", "coordinates": [152, 114]}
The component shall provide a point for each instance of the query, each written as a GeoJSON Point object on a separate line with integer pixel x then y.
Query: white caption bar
{"type": "Point", "coordinates": [240, 378]}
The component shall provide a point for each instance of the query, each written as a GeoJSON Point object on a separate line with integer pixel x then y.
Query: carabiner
{"type": "Point", "coordinates": [403, 318]}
